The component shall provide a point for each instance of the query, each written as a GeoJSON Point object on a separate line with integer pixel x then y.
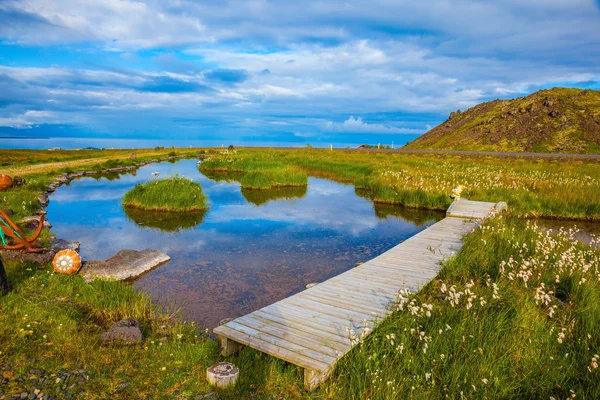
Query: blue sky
{"type": "Point", "coordinates": [341, 71]}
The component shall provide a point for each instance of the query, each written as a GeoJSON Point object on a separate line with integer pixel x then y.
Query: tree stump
{"type": "Point", "coordinates": [222, 374]}
{"type": "Point", "coordinates": [4, 286]}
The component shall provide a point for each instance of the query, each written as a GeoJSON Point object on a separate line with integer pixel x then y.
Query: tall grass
{"type": "Point", "coordinates": [516, 314]}
{"type": "Point", "coordinates": [173, 194]}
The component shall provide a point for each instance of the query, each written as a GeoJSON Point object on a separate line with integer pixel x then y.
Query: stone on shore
{"type": "Point", "coordinates": [126, 331]}
{"type": "Point", "coordinates": [34, 221]}
{"type": "Point", "coordinates": [57, 245]}
{"type": "Point", "coordinates": [125, 265]}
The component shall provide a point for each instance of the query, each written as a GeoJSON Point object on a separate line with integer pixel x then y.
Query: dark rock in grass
{"type": "Point", "coordinates": [126, 331]}
{"type": "Point", "coordinates": [126, 264]}
{"type": "Point", "coordinates": [19, 181]}
{"type": "Point", "coordinates": [18, 255]}
{"type": "Point", "coordinates": [554, 113]}
{"type": "Point", "coordinates": [57, 245]}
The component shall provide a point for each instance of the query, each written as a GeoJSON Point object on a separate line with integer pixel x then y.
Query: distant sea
{"type": "Point", "coordinates": [108, 143]}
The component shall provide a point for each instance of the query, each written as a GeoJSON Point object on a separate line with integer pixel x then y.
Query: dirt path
{"type": "Point", "coordinates": [24, 170]}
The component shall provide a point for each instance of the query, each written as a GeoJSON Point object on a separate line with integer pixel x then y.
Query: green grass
{"type": "Point", "coordinates": [257, 171]}
{"type": "Point", "coordinates": [172, 194]}
{"type": "Point", "coordinates": [51, 323]}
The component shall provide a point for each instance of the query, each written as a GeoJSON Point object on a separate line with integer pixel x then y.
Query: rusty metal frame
{"type": "Point", "coordinates": [18, 238]}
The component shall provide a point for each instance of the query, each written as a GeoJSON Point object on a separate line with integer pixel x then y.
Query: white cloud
{"type": "Point", "coordinates": [29, 119]}
{"type": "Point", "coordinates": [354, 125]}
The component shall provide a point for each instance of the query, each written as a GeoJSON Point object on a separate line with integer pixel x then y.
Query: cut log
{"type": "Point", "coordinates": [222, 374]}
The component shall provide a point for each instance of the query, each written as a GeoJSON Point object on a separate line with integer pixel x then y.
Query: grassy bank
{"type": "Point", "coordinates": [171, 195]}
{"type": "Point", "coordinates": [551, 188]}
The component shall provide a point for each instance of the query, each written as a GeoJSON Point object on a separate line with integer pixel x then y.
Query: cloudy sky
{"type": "Point", "coordinates": [307, 71]}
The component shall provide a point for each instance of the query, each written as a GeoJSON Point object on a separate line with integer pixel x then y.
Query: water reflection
{"type": "Point", "coordinates": [259, 197]}
{"type": "Point", "coordinates": [418, 217]}
{"type": "Point", "coordinates": [164, 221]}
{"type": "Point", "coordinates": [246, 252]}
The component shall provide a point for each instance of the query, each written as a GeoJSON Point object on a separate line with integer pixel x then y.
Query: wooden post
{"type": "Point", "coordinates": [228, 346]}
{"type": "Point", "coordinates": [4, 286]}
{"type": "Point", "coordinates": [313, 378]}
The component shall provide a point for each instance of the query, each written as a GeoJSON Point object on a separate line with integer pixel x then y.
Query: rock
{"type": "Point", "coordinates": [126, 264]}
{"type": "Point", "coordinates": [33, 222]}
{"type": "Point", "coordinates": [549, 101]}
{"type": "Point", "coordinates": [554, 113]}
{"type": "Point", "coordinates": [312, 284]}
{"type": "Point", "coordinates": [44, 258]}
{"type": "Point", "coordinates": [43, 199]}
{"type": "Point", "coordinates": [126, 331]}
{"type": "Point", "coordinates": [57, 245]}
{"type": "Point", "coordinates": [19, 181]}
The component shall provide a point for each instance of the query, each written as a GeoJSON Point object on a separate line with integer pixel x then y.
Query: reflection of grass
{"type": "Point", "coordinates": [259, 197]}
{"type": "Point", "coordinates": [258, 172]}
{"type": "Point", "coordinates": [164, 220]}
{"type": "Point", "coordinates": [418, 217]}
{"type": "Point", "coordinates": [273, 179]}
{"type": "Point", "coordinates": [173, 194]}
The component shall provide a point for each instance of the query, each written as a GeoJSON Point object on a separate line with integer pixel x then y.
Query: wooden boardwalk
{"type": "Point", "coordinates": [313, 328]}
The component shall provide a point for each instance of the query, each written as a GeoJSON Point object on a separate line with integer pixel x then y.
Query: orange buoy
{"type": "Point", "coordinates": [5, 182]}
{"type": "Point", "coordinates": [66, 262]}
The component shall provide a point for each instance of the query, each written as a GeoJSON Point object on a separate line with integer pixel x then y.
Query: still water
{"type": "Point", "coordinates": [252, 248]}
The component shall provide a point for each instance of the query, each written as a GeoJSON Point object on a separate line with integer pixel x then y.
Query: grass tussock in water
{"type": "Point", "coordinates": [516, 314]}
{"type": "Point", "coordinates": [175, 194]}
{"type": "Point", "coordinates": [256, 171]}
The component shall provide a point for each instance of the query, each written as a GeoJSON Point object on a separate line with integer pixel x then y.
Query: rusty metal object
{"type": "Point", "coordinates": [6, 182]}
{"type": "Point", "coordinates": [13, 238]}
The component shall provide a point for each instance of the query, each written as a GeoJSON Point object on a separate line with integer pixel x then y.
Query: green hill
{"type": "Point", "coordinates": [557, 120]}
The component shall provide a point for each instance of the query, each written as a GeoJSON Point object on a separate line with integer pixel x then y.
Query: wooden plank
{"type": "Point", "coordinates": [307, 326]}
{"type": "Point", "coordinates": [303, 350]}
{"type": "Point", "coordinates": [292, 335]}
{"type": "Point", "coordinates": [342, 324]}
{"type": "Point", "coordinates": [329, 310]}
{"type": "Point", "coordinates": [352, 296]}
{"type": "Point", "coordinates": [271, 349]}
{"type": "Point", "coordinates": [341, 302]}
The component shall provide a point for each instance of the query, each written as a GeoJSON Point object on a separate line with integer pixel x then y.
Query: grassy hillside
{"type": "Point", "coordinates": [557, 120]}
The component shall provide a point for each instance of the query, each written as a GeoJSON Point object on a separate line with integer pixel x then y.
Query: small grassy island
{"type": "Point", "coordinates": [257, 171]}
{"type": "Point", "coordinates": [176, 194]}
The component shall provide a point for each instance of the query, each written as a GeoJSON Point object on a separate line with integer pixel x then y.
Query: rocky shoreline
{"type": "Point", "coordinates": [129, 268]}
